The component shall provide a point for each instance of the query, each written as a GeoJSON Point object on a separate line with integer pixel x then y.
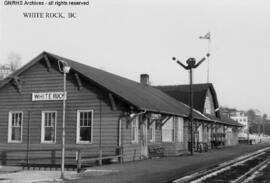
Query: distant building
{"type": "Point", "coordinates": [257, 112]}
{"type": "Point", "coordinates": [205, 100]}
{"type": "Point", "coordinates": [242, 118]}
{"type": "Point", "coordinates": [5, 70]}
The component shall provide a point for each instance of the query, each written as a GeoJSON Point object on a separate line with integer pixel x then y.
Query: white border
{"type": "Point", "coordinates": [180, 131]}
{"type": "Point", "coordinates": [153, 132]}
{"type": "Point", "coordinates": [9, 127]}
{"type": "Point", "coordinates": [78, 127]}
{"type": "Point", "coordinates": [136, 140]}
{"type": "Point", "coordinates": [173, 128]}
{"type": "Point", "coordinates": [42, 140]}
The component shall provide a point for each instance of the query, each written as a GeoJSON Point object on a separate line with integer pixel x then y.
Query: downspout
{"type": "Point", "coordinates": [120, 131]}
{"type": "Point", "coordinates": [119, 143]}
{"type": "Point", "coordinates": [120, 124]}
{"type": "Point", "coordinates": [120, 135]}
{"type": "Point", "coordinates": [28, 139]}
{"type": "Point", "coordinates": [100, 125]}
{"type": "Point", "coordinates": [143, 140]}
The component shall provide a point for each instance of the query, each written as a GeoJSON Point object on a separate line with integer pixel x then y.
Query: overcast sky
{"type": "Point", "coordinates": [130, 37]}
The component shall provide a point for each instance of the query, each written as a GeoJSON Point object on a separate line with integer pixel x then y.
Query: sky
{"type": "Point", "coordinates": [131, 37]}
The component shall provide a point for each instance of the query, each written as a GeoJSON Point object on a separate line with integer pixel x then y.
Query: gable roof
{"type": "Point", "coordinates": [141, 96]}
{"type": "Point", "coordinates": [181, 93]}
{"type": "Point", "coordinates": [230, 121]}
{"type": "Point", "coordinates": [224, 120]}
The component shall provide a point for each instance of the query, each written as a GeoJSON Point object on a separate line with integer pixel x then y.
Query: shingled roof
{"type": "Point", "coordinates": [141, 96]}
{"type": "Point", "coordinates": [224, 120]}
{"type": "Point", "coordinates": [181, 93]}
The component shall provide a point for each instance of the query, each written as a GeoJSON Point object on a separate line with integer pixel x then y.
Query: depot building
{"type": "Point", "coordinates": [104, 113]}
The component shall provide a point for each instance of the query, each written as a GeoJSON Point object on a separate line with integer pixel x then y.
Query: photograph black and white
{"type": "Point", "coordinates": [134, 91]}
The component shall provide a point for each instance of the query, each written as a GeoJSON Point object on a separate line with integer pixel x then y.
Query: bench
{"type": "Point", "coordinates": [202, 147]}
{"type": "Point", "coordinates": [156, 151]}
{"type": "Point", "coordinates": [84, 160]}
{"type": "Point", "coordinates": [217, 144]}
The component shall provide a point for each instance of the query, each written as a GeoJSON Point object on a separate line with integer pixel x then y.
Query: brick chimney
{"type": "Point", "coordinates": [145, 79]}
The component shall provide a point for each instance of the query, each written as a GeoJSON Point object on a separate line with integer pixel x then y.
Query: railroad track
{"type": "Point", "coordinates": [245, 177]}
{"type": "Point", "coordinates": [235, 171]}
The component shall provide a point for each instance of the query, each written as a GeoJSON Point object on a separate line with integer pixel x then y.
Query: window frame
{"type": "Point", "coordinates": [153, 132]}
{"type": "Point", "coordinates": [43, 141]}
{"type": "Point", "coordinates": [136, 132]}
{"type": "Point", "coordinates": [180, 131]}
{"type": "Point", "coordinates": [172, 130]}
{"type": "Point", "coordinates": [10, 127]}
{"type": "Point", "coordinates": [78, 141]}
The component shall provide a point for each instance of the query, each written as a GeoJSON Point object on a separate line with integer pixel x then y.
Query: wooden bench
{"type": "Point", "coordinates": [217, 143]}
{"type": "Point", "coordinates": [84, 160]}
{"type": "Point", "coordinates": [202, 147]}
{"type": "Point", "coordinates": [156, 151]}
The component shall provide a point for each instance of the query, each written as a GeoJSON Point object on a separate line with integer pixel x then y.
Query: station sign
{"type": "Point", "coordinates": [43, 96]}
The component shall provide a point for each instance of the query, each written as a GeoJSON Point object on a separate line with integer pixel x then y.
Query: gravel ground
{"type": "Point", "coordinates": [152, 170]}
{"type": "Point", "coordinates": [166, 169]}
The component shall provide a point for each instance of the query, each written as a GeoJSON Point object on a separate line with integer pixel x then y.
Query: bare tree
{"type": "Point", "coordinates": [14, 61]}
{"type": "Point", "coordinates": [251, 115]}
{"type": "Point", "coordinates": [264, 121]}
{"type": "Point", "coordinates": [254, 121]}
{"type": "Point", "coordinates": [265, 117]}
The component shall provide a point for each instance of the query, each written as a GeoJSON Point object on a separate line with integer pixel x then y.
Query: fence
{"type": "Point", "coordinates": [52, 157]}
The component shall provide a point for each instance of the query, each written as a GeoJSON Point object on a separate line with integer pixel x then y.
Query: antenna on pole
{"type": "Point", "coordinates": [208, 37]}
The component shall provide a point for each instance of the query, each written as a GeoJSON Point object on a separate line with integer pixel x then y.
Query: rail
{"type": "Point", "coordinates": [215, 169]}
{"type": "Point", "coordinates": [251, 171]}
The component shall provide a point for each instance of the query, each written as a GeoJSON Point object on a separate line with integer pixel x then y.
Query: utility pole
{"type": "Point", "coordinates": [264, 119]}
{"type": "Point", "coordinates": [191, 64]}
{"type": "Point", "coordinates": [65, 70]}
{"type": "Point", "coordinates": [248, 131]}
{"type": "Point", "coordinates": [208, 38]}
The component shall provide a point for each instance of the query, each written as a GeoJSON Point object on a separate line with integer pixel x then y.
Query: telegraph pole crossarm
{"type": "Point", "coordinates": [200, 62]}
{"type": "Point", "coordinates": [191, 64]}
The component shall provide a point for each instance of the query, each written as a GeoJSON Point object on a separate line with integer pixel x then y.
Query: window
{"type": "Point", "coordinates": [84, 126]}
{"type": "Point", "coordinates": [134, 130]}
{"type": "Point", "coordinates": [15, 124]}
{"type": "Point", "coordinates": [152, 129]}
{"type": "Point", "coordinates": [168, 131]}
{"type": "Point", "coordinates": [48, 127]}
{"type": "Point", "coordinates": [180, 131]}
